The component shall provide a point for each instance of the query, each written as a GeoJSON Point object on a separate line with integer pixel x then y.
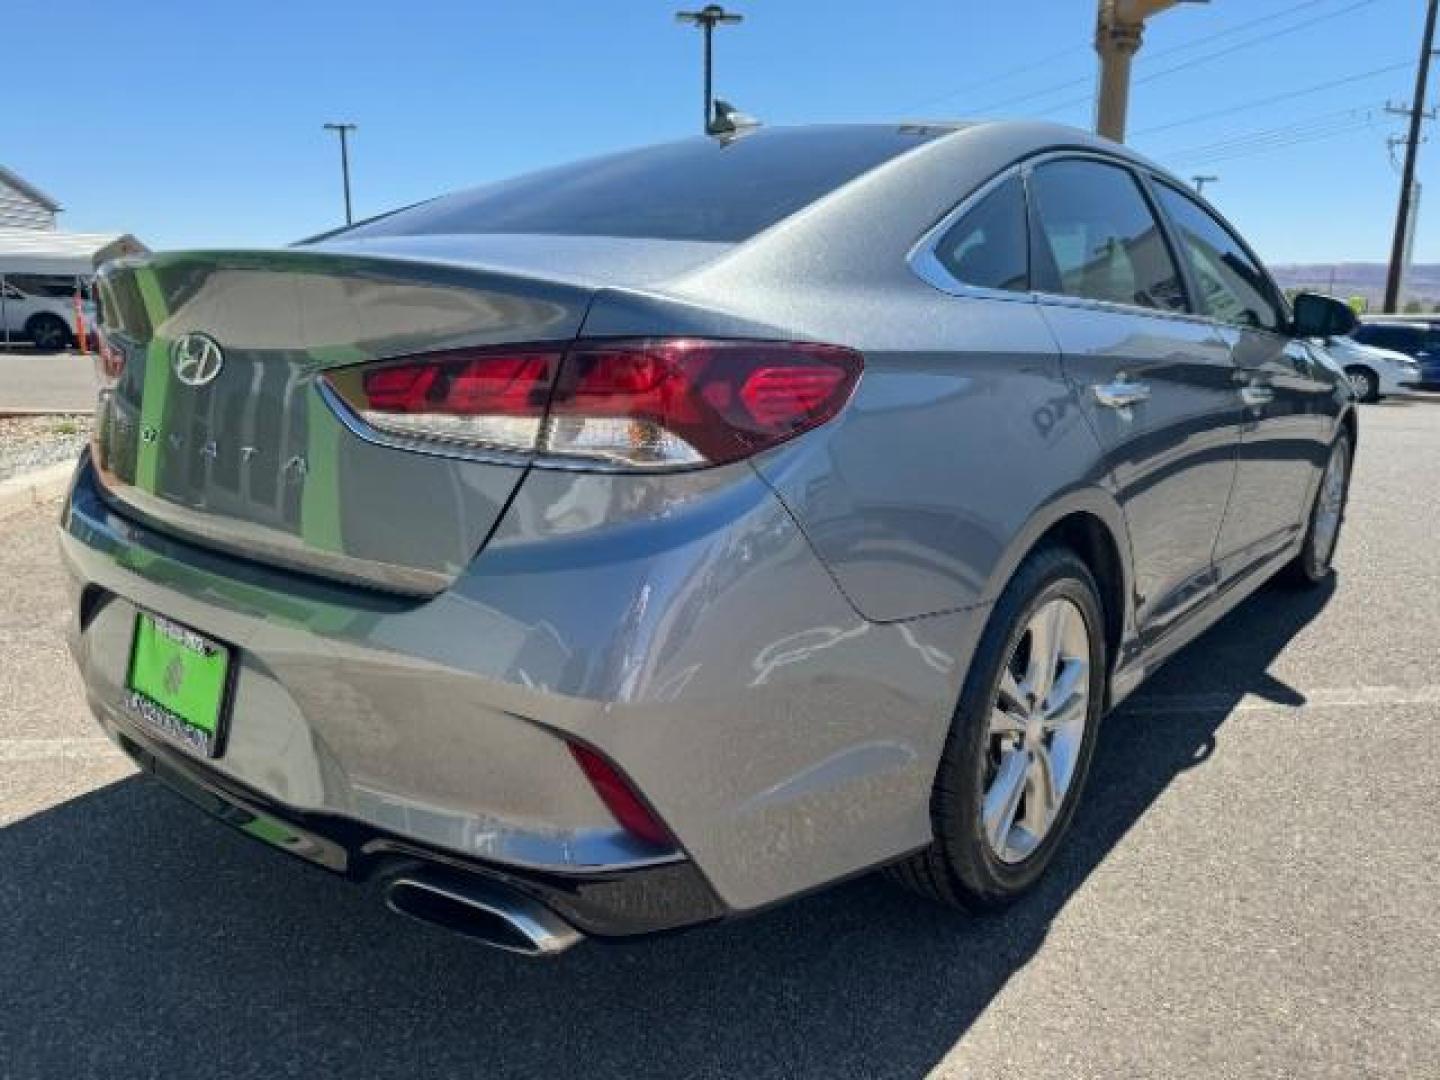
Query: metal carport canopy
{"type": "Point", "coordinates": [46, 251]}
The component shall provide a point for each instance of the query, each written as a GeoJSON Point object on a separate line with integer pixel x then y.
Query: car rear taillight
{"type": "Point", "coordinates": [489, 399]}
{"type": "Point", "coordinates": [620, 798]}
{"type": "Point", "coordinates": [649, 403]}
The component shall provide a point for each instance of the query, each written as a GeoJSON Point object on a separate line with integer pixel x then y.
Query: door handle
{"type": "Point", "coordinates": [1121, 393]}
{"type": "Point", "coordinates": [1255, 395]}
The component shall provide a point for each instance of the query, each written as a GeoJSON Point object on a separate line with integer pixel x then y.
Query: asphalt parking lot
{"type": "Point", "coordinates": [1251, 889]}
{"type": "Point", "coordinates": [56, 381]}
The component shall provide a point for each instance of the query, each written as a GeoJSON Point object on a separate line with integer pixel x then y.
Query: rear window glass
{"type": "Point", "coordinates": [697, 189]}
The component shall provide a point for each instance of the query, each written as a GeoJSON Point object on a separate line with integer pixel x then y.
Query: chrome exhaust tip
{"type": "Point", "coordinates": [490, 914]}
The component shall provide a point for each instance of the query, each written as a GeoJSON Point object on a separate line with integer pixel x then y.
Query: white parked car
{"type": "Point", "coordinates": [41, 308]}
{"type": "Point", "coordinates": [1373, 372]}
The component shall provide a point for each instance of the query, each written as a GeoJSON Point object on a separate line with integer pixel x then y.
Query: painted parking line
{"type": "Point", "coordinates": [1351, 697]}
{"type": "Point", "coordinates": [86, 749]}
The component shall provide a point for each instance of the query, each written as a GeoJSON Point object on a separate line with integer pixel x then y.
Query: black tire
{"type": "Point", "coordinates": [1365, 383]}
{"type": "Point", "coordinates": [960, 868]}
{"type": "Point", "coordinates": [48, 332]}
{"type": "Point", "coordinates": [1315, 562]}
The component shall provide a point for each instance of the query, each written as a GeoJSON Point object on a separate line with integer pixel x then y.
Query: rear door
{"type": "Point", "coordinates": [1156, 383]}
{"type": "Point", "coordinates": [1282, 390]}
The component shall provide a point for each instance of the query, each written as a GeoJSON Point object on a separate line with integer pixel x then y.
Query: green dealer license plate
{"type": "Point", "coordinates": [178, 682]}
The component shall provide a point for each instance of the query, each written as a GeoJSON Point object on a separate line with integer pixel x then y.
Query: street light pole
{"type": "Point", "coordinates": [343, 130]}
{"type": "Point", "coordinates": [1201, 181]}
{"type": "Point", "coordinates": [707, 18]}
{"type": "Point", "coordinates": [1119, 29]}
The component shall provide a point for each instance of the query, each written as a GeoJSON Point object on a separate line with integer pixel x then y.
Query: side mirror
{"type": "Point", "coordinates": [1318, 316]}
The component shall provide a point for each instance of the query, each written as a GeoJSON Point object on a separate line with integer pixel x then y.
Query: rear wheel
{"type": "Point", "coordinates": [1364, 382]}
{"type": "Point", "coordinates": [48, 332]}
{"type": "Point", "coordinates": [1021, 740]}
{"type": "Point", "coordinates": [1314, 563]}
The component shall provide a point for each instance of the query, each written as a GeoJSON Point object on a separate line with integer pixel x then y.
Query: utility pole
{"type": "Point", "coordinates": [1201, 181]}
{"type": "Point", "coordinates": [1119, 29]}
{"type": "Point", "coordinates": [343, 130]}
{"type": "Point", "coordinates": [1412, 149]}
{"type": "Point", "coordinates": [707, 18]}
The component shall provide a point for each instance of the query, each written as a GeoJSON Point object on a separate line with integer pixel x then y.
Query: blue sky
{"type": "Point", "coordinates": [198, 124]}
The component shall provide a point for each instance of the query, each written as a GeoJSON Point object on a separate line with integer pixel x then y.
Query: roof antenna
{"type": "Point", "coordinates": [730, 123]}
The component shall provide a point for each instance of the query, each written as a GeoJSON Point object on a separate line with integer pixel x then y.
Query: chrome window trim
{"type": "Point", "coordinates": [926, 264]}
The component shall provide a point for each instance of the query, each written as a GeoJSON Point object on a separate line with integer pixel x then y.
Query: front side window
{"type": "Point", "coordinates": [1232, 286]}
{"type": "Point", "coordinates": [989, 246]}
{"type": "Point", "coordinates": [1098, 238]}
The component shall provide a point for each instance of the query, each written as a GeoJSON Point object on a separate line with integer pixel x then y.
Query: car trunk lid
{"type": "Point", "coordinates": [253, 457]}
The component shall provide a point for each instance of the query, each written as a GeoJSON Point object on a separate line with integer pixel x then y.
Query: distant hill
{"type": "Point", "coordinates": [1360, 279]}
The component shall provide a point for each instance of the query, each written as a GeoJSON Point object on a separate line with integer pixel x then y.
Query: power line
{"type": "Point", "coordinates": [1005, 76]}
{"type": "Point", "coordinates": [1195, 62]}
{"type": "Point", "coordinates": [1311, 123]}
{"type": "Point", "coordinates": [1254, 41]}
{"type": "Point", "coordinates": [1278, 141]}
{"type": "Point", "coordinates": [1288, 95]}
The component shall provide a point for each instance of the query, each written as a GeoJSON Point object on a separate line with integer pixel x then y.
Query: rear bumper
{"type": "Point", "coordinates": [599, 903]}
{"type": "Point", "coordinates": [692, 638]}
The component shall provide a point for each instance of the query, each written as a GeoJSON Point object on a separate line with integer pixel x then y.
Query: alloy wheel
{"type": "Point", "coordinates": [1360, 385]}
{"type": "Point", "coordinates": [1036, 730]}
{"type": "Point", "coordinates": [1330, 504]}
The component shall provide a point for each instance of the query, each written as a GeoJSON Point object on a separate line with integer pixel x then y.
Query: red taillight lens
{"type": "Point", "coordinates": [620, 799]}
{"type": "Point", "coordinates": [653, 403]}
{"type": "Point", "coordinates": [487, 399]}
{"type": "Point", "coordinates": [109, 361]}
{"type": "Point", "coordinates": [686, 402]}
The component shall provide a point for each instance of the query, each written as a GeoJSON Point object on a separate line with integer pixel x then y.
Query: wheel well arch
{"type": "Point", "coordinates": [1351, 425]}
{"type": "Point", "coordinates": [45, 316]}
{"type": "Point", "coordinates": [1089, 537]}
{"type": "Point", "coordinates": [1090, 523]}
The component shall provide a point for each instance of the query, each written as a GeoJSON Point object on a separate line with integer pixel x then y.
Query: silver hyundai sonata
{"type": "Point", "coordinates": [644, 541]}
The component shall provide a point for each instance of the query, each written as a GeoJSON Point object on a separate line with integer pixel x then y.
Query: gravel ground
{"type": "Point", "coordinates": [28, 443]}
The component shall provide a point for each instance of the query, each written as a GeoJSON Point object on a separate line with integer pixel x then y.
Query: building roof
{"type": "Point", "coordinates": [20, 184]}
{"type": "Point", "coordinates": [36, 251]}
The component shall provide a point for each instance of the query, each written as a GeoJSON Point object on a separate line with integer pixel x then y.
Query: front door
{"type": "Point", "coordinates": [1277, 383]}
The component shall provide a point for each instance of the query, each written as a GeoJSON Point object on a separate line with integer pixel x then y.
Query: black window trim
{"type": "Point", "coordinates": [1139, 175]}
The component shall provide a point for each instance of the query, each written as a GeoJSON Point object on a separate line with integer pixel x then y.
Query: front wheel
{"type": "Point", "coordinates": [1314, 563]}
{"type": "Point", "coordinates": [1364, 383]}
{"type": "Point", "coordinates": [1020, 742]}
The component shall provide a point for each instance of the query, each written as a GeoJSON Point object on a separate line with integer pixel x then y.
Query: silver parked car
{"type": "Point", "coordinates": [645, 541]}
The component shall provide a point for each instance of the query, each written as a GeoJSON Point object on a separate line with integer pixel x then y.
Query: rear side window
{"type": "Point", "coordinates": [696, 189]}
{"type": "Point", "coordinates": [1233, 288]}
{"type": "Point", "coordinates": [1099, 239]}
{"type": "Point", "coordinates": [989, 246]}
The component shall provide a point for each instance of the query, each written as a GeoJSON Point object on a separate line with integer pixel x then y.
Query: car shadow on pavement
{"type": "Point", "coordinates": [140, 938]}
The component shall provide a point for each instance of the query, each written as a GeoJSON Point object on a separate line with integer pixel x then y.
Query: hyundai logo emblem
{"type": "Point", "coordinates": [196, 359]}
